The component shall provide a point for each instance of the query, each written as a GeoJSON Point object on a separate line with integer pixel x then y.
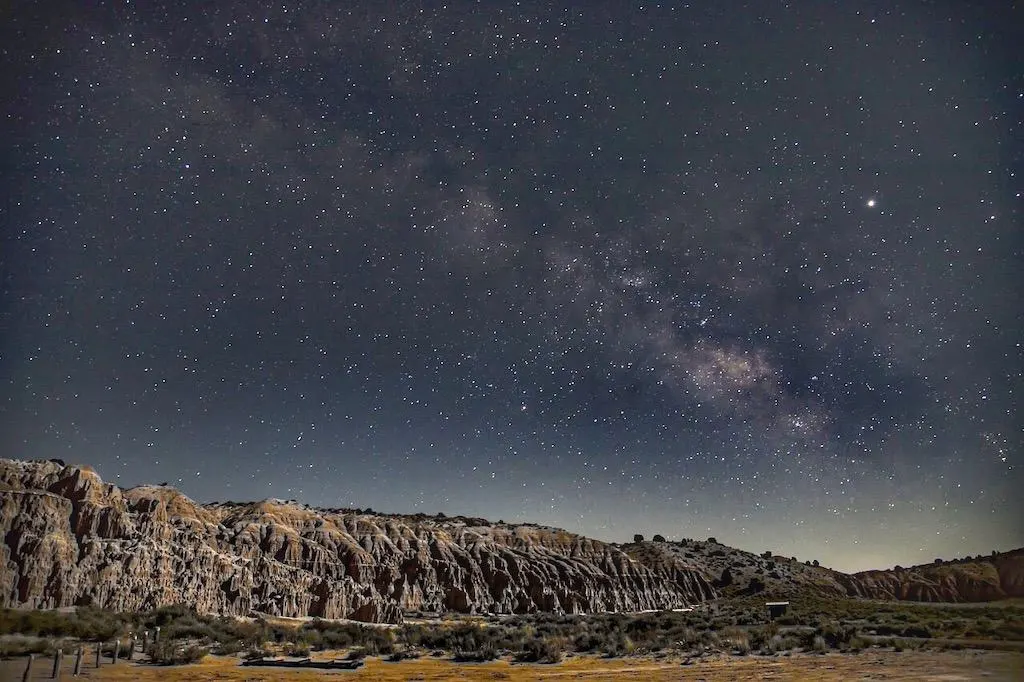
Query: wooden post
{"type": "Point", "coordinates": [117, 649]}
{"type": "Point", "coordinates": [58, 658]}
{"type": "Point", "coordinates": [145, 640]}
{"type": "Point", "coordinates": [156, 635]}
{"type": "Point", "coordinates": [28, 668]}
{"type": "Point", "coordinates": [78, 660]}
{"type": "Point", "coordinates": [99, 649]}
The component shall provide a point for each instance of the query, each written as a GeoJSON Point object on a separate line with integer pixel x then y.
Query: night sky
{"type": "Point", "coordinates": [749, 271]}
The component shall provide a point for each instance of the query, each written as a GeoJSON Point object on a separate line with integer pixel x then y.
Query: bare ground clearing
{"type": "Point", "coordinates": [949, 666]}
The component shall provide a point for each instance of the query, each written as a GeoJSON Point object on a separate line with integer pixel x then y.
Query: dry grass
{"type": "Point", "coordinates": [948, 665]}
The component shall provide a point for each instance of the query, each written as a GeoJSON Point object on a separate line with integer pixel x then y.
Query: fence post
{"type": "Point", "coordinates": [117, 649]}
{"type": "Point", "coordinates": [99, 650]}
{"type": "Point", "coordinates": [58, 657]}
{"type": "Point", "coordinates": [28, 667]}
{"type": "Point", "coordinates": [78, 660]}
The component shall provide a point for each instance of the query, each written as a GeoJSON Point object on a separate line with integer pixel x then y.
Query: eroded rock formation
{"type": "Point", "coordinates": [71, 539]}
{"type": "Point", "coordinates": [986, 578]}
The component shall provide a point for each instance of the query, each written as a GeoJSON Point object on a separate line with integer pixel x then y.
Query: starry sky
{"type": "Point", "coordinates": [747, 271]}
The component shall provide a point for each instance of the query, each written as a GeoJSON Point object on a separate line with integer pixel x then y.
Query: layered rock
{"type": "Point", "coordinates": [71, 539]}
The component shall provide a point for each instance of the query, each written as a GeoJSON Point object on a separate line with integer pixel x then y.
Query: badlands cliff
{"type": "Point", "coordinates": [71, 539]}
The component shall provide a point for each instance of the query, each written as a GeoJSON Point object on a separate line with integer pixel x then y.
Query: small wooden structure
{"type": "Point", "coordinates": [776, 608]}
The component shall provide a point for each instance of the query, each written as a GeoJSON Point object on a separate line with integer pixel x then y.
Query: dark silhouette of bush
{"type": "Point", "coordinates": [659, 538]}
{"type": "Point", "coordinates": [638, 538]}
{"type": "Point", "coordinates": [755, 585]}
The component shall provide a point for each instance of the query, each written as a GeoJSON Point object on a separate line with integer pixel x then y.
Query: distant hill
{"type": "Point", "coordinates": [734, 572]}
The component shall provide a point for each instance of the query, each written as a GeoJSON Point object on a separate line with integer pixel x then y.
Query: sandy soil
{"type": "Point", "coordinates": [947, 666]}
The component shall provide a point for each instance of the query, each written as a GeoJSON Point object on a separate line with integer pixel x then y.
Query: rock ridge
{"type": "Point", "coordinates": [71, 539]}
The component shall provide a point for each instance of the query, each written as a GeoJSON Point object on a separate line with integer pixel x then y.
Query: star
{"type": "Point", "coordinates": [626, 264]}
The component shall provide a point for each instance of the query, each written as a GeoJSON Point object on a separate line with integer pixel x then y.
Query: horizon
{"type": "Point", "coordinates": [616, 269]}
{"type": "Point", "coordinates": [453, 515]}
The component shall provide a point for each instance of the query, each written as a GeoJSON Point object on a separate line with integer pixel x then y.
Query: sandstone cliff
{"type": "Point", "coordinates": [71, 539]}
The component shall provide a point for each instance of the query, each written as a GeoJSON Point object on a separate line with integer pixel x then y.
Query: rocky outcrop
{"type": "Point", "coordinates": [71, 539]}
{"type": "Point", "coordinates": [985, 578]}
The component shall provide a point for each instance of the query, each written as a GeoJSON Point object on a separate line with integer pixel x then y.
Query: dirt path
{"type": "Point", "coordinates": [946, 666]}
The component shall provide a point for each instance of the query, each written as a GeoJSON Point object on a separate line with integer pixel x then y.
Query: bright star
{"type": "Point", "coordinates": [871, 203]}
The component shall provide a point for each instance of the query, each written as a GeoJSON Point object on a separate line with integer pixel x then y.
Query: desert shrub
{"type": "Point", "coordinates": [87, 623]}
{"type": "Point", "coordinates": [587, 641]}
{"type": "Point", "coordinates": [836, 635]}
{"type": "Point", "coordinates": [916, 631]}
{"type": "Point", "coordinates": [168, 614]}
{"type": "Point", "coordinates": [736, 639]}
{"type": "Point", "coordinates": [300, 649]}
{"type": "Point", "coordinates": [167, 652]}
{"type": "Point", "coordinates": [819, 644]}
{"type": "Point", "coordinates": [857, 643]}
{"type": "Point", "coordinates": [479, 654]}
{"type": "Point", "coordinates": [188, 628]}
{"type": "Point", "coordinates": [254, 633]}
{"type": "Point", "coordinates": [779, 643]}
{"type": "Point", "coordinates": [618, 644]}
{"type": "Point", "coordinates": [227, 648]}
{"type": "Point", "coordinates": [22, 645]}
{"type": "Point", "coordinates": [329, 635]}
{"type": "Point", "coordinates": [404, 655]}
{"type": "Point", "coordinates": [542, 650]}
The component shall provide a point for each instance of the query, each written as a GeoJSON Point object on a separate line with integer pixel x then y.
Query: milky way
{"type": "Point", "coordinates": [750, 273]}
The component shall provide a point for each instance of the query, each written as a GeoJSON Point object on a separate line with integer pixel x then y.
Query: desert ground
{"type": "Point", "coordinates": [868, 665]}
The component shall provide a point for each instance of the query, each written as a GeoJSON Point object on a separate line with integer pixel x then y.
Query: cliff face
{"type": "Point", "coordinates": [986, 578]}
{"type": "Point", "coordinates": [71, 539]}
